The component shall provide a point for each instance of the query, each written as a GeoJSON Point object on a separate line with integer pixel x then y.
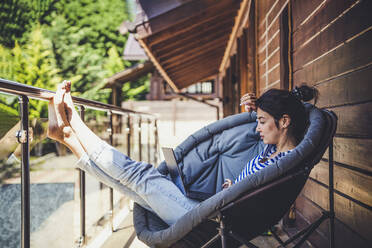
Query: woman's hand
{"type": "Point", "coordinates": [226, 184]}
{"type": "Point", "coordinates": [249, 102]}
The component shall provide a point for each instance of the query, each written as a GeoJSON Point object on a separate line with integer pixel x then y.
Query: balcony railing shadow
{"type": "Point", "coordinates": [39, 175]}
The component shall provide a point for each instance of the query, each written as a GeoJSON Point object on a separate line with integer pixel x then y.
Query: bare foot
{"type": "Point", "coordinates": [72, 114]}
{"type": "Point", "coordinates": [58, 128]}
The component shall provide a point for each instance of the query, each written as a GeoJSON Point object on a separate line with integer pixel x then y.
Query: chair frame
{"type": "Point", "coordinates": [224, 232]}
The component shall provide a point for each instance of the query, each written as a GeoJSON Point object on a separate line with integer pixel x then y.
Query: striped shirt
{"type": "Point", "coordinates": [257, 163]}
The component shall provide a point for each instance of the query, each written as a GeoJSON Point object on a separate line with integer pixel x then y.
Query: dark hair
{"type": "Point", "coordinates": [278, 102]}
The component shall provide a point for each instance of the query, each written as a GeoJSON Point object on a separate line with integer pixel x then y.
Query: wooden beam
{"type": "Point", "coordinates": [176, 15]}
{"type": "Point", "coordinates": [194, 69]}
{"type": "Point", "coordinates": [194, 40]}
{"type": "Point", "coordinates": [190, 49]}
{"type": "Point", "coordinates": [197, 52]}
{"type": "Point", "coordinates": [196, 73]}
{"type": "Point", "coordinates": [178, 40]}
{"type": "Point", "coordinates": [220, 11]}
{"type": "Point", "coordinates": [194, 79]}
{"type": "Point", "coordinates": [189, 74]}
{"type": "Point", "coordinates": [191, 59]}
{"type": "Point", "coordinates": [244, 9]}
{"type": "Point", "coordinates": [198, 64]}
{"type": "Point", "coordinates": [206, 64]}
{"type": "Point", "coordinates": [158, 66]}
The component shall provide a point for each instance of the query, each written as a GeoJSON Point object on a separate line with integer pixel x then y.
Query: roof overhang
{"type": "Point", "coordinates": [130, 74]}
{"type": "Point", "coordinates": [186, 40]}
{"type": "Point", "coordinates": [133, 51]}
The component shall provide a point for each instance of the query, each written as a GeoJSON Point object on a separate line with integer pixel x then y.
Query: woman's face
{"type": "Point", "coordinates": [269, 132]}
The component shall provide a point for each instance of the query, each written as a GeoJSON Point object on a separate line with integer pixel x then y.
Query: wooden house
{"type": "Point", "coordinates": [255, 45]}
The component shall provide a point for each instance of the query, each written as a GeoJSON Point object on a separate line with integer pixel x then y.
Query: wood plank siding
{"type": "Point", "coordinates": [255, 45]}
{"type": "Point", "coordinates": [331, 51]}
{"type": "Point", "coordinates": [327, 44]}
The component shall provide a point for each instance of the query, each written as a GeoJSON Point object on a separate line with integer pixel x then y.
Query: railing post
{"type": "Point", "coordinates": [110, 130]}
{"type": "Point", "coordinates": [129, 131]}
{"type": "Point", "coordinates": [25, 191]}
{"type": "Point", "coordinates": [148, 141]}
{"type": "Point", "coordinates": [82, 193]}
{"type": "Point", "coordinates": [139, 139]}
{"type": "Point", "coordinates": [156, 141]}
{"type": "Point", "coordinates": [331, 198]}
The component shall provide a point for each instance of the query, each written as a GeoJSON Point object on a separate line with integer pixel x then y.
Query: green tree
{"type": "Point", "coordinates": [17, 17]}
{"type": "Point", "coordinates": [81, 39]}
{"type": "Point", "coordinates": [83, 33]}
{"type": "Point", "coordinates": [31, 64]}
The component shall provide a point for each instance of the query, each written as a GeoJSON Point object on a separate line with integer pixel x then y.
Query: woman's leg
{"type": "Point", "coordinates": [157, 190]}
{"type": "Point", "coordinates": [86, 164]}
{"type": "Point", "coordinates": [139, 180]}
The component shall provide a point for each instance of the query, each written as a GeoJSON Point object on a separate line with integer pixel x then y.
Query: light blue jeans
{"type": "Point", "coordinates": [139, 181]}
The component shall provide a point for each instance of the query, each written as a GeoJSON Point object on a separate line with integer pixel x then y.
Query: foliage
{"type": "Point", "coordinates": [9, 117]}
{"type": "Point", "coordinates": [83, 33]}
{"type": "Point", "coordinates": [136, 90]}
{"type": "Point", "coordinates": [31, 64]}
{"type": "Point", "coordinates": [76, 40]}
{"type": "Point", "coordinates": [17, 17]}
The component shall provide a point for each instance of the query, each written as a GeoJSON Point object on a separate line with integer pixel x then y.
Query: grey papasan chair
{"type": "Point", "coordinates": [235, 215]}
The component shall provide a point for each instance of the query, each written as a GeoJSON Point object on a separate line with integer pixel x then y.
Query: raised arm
{"type": "Point", "coordinates": [249, 102]}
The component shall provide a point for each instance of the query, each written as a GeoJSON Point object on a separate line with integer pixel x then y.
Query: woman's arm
{"type": "Point", "coordinates": [249, 102]}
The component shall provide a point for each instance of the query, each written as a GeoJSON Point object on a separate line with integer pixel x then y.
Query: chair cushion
{"type": "Point", "coordinates": [204, 210]}
{"type": "Point", "coordinates": [216, 152]}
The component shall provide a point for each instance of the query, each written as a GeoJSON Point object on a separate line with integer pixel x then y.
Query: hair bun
{"type": "Point", "coordinates": [305, 93]}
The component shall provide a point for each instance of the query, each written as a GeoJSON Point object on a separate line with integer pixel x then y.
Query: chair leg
{"type": "Point", "coordinates": [277, 237]}
{"type": "Point", "coordinates": [331, 197]}
{"type": "Point", "coordinates": [312, 228]}
{"type": "Point", "coordinates": [241, 240]}
{"type": "Point", "coordinates": [222, 233]}
{"type": "Point", "coordinates": [307, 231]}
{"type": "Point", "coordinates": [211, 241]}
{"type": "Point", "coordinates": [332, 232]}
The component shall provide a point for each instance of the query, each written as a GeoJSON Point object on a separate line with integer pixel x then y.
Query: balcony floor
{"type": "Point", "coordinates": [125, 237]}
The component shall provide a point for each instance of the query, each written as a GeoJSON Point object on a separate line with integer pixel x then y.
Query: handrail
{"type": "Point", "coordinates": [24, 92]}
{"type": "Point", "coordinates": [15, 88]}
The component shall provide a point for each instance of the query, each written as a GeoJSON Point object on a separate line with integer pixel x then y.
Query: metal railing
{"type": "Point", "coordinates": [25, 92]}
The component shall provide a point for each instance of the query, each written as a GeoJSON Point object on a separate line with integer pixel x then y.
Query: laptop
{"type": "Point", "coordinates": [177, 176]}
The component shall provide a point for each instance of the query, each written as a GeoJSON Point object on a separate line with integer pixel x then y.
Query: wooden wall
{"type": "Point", "coordinates": [240, 75]}
{"type": "Point", "coordinates": [331, 49]}
{"type": "Point", "coordinates": [268, 47]}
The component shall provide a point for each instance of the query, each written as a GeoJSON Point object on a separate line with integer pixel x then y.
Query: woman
{"type": "Point", "coordinates": [281, 123]}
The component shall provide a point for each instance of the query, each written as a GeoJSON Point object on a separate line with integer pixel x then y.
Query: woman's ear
{"type": "Point", "coordinates": [285, 121]}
